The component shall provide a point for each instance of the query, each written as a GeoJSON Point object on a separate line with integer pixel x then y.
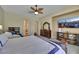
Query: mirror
{"type": "Point", "coordinates": [46, 24]}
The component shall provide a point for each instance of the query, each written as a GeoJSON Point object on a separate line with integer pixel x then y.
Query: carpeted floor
{"type": "Point", "coordinates": [55, 41]}
{"type": "Point", "coordinates": [70, 49]}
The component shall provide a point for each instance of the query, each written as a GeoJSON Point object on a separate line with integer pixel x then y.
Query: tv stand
{"type": "Point", "coordinates": [68, 37]}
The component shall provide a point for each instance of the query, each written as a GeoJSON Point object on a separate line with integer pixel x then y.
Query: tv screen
{"type": "Point", "coordinates": [70, 25]}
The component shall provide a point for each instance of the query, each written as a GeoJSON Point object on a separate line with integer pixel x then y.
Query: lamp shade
{"type": "Point", "coordinates": [1, 27]}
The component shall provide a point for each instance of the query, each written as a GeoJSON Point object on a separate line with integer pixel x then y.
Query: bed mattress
{"type": "Point", "coordinates": [30, 45]}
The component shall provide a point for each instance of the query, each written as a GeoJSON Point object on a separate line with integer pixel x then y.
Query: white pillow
{"type": "Point", "coordinates": [16, 36]}
{"type": "Point", "coordinates": [3, 39]}
{"type": "Point", "coordinates": [8, 34]}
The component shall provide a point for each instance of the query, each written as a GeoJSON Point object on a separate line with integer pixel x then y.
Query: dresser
{"type": "Point", "coordinates": [45, 33]}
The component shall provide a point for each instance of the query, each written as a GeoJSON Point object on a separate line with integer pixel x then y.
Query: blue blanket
{"type": "Point", "coordinates": [1, 44]}
{"type": "Point", "coordinates": [54, 50]}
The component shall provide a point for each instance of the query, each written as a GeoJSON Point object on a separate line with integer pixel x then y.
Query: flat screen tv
{"type": "Point", "coordinates": [70, 22]}
{"type": "Point", "coordinates": [69, 25]}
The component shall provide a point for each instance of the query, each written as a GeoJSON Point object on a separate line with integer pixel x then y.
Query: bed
{"type": "Point", "coordinates": [30, 45]}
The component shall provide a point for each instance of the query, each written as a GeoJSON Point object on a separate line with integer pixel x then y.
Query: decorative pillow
{"type": "Point", "coordinates": [16, 36]}
{"type": "Point", "coordinates": [13, 32]}
{"type": "Point", "coordinates": [3, 40]}
{"type": "Point", "coordinates": [8, 34]}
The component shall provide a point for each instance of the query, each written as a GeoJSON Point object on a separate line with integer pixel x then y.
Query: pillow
{"type": "Point", "coordinates": [3, 40]}
{"type": "Point", "coordinates": [8, 34]}
{"type": "Point", "coordinates": [16, 36]}
{"type": "Point", "coordinates": [13, 32]}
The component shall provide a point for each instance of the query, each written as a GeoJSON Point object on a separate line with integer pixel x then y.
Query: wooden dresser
{"type": "Point", "coordinates": [45, 33]}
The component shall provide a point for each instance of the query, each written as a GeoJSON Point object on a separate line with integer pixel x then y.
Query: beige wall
{"type": "Point", "coordinates": [55, 26]}
{"type": "Point", "coordinates": [53, 23]}
{"type": "Point", "coordinates": [33, 26]}
{"type": "Point", "coordinates": [13, 20]}
{"type": "Point", "coordinates": [40, 24]}
{"type": "Point", "coordinates": [1, 16]}
{"type": "Point", "coordinates": [9, 19]}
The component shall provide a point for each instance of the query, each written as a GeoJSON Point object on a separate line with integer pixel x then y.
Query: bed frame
{"type": "Point", "coordinates": [14, 29]}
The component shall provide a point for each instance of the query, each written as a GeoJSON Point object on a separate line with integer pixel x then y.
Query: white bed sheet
{"type": "Point", "coordinates": [27, 45]}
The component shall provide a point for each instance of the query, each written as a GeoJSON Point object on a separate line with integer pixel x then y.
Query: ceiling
{"type": "Point", "coordinates": [23, 10]}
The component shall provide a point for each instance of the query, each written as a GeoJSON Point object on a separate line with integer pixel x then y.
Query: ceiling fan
{"type": "Point", "coordinates": [36, 10]}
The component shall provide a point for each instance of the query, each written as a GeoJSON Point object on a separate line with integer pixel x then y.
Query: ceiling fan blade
{"type": "Point", "coordinates": [32, 8]}
{"type": "Point", "coordinates": [31, 11]}
{"type": "Point", "coordinates": [40, 12]}
{"type": "Point", "coordinates": [36, 9]}
{"type": "Point", "coordinates": [39, 9]}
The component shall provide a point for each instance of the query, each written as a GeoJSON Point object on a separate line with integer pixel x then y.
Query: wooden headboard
{"type": "Point", "coordinates": [46, 32]}
{"type": "Point", "coordinates": [14, 29]}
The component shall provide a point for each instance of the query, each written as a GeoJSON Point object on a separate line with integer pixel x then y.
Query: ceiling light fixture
{"type": "Point", "coordinates": [36, 13]}
{"type": "Point", "coordinates": [36, 10]}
